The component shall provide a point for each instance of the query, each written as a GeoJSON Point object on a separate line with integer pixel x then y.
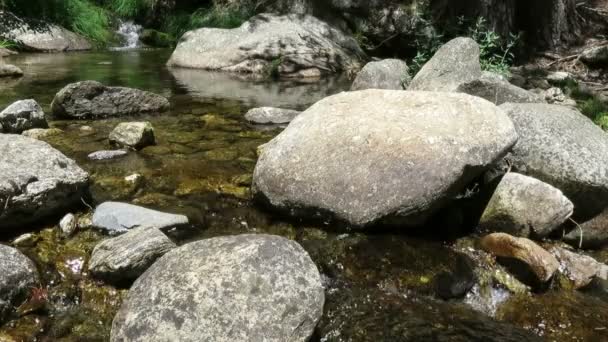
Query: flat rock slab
{"type": "Point", "coordinates": [91, 99]}
{"type": "Point", "coordinates": [292, 46]}
{"type": "Point", "coordinates": [126, 257]}
{"type": "Point", "coordinates": [18, 276]}
{"type": "Point", "coordinates": [116, 217]}
{"type": "Point", "coordinates": [21, 116]}
{"type": "Point", "coordinates": [369, 155]}
{"type": "Point", "coordinates": [541, 262]}
{"type": "Point", "coordinates": [236, 288]}
{"type": "Point", "coordinates": [107, 155]}
{"type": "Point", "coordinates": [385, 74]}
{"type": "Point", "coordinates": [36, 181]}
{"type": "Point", "coordinates": [560, 146]}
{"type": "Point", "coordinates": [270, 115]}
{"type": "Point", "coordinates": [524, 206]}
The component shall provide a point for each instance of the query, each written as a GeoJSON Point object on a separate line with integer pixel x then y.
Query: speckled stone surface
{"type": "Point", "coordinates": [385, 74]}
{"type": "Point", "coordinates": [236, 288]}
{"type": "Point", "coordinates": [18, 275]}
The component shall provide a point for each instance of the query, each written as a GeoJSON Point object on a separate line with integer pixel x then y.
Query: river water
{"type": "Point", "coordinates": [379, 287]}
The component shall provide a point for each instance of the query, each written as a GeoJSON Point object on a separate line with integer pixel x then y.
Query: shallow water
{"type": "Point", "coordinates": [379, 287]}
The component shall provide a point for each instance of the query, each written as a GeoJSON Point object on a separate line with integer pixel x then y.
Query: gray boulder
{"type": "Point", "coordinates": [498, 90]}
{"type": "Point", "coordinates": [560, 146]}
{"type": "Point", "coordinates": [35, 181]}
{"type": "Point", "coordinates": [385, 74]}
{"type": "Point", "coordinates": [9, 70]}
{"type": "Point", "coordinates": [559, 78]}
{"type": "Point", "coordinates": [237, 288]}
{"type": "Point", "coordinates": [368, 155]}
{"type": "Point", "coordinates": [40, 36]}
{"type": "Point", "coordinates": [524, 206]}
{"type": "Point", "coordinates": [135, 135]}
{"type": "Point", "coordinates": [595, 56]}
{"type": "Point", "coordinates": [21, 116]}
{"type": "Point", "coordinates": [116, 217]}
{"type": "Point", "coordinates": [270, 115]}
{"type": "Point", "coordinates": [18, 276]}
{"type": "Point", "coordinates": [580, 269]}
{"type": "Point", "coordinates": [126, 257]}
{"type": "Point", "coordinates": [455, 63]}
{"type": "Point", "coordinates": [91, 99]}
{"type": "Point", "coordinates": [592, 233]}
{"type": "Point", "coordinates": [107, 155]}
{"type": "Point", "coordinates": [289, 46]}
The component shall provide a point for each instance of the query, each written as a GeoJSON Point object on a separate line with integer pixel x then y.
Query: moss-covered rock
{"type": "Point", "coordinates": [156, 38]}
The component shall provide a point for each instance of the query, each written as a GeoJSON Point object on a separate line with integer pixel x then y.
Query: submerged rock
{"type": "Point", "coordinates": [36, 181]}
{"type": "Point", "coordinates": [106, 155]}
{"type": "Point", "coordinates": [18, 276]}
{"type": "Point", "coordinates": [9, 70]}
{"type": "Point", "coordinates": [126, 257]}
{"type": "Point", "coordinates": [541, 262]}
{"type": "Point", "coordinates": [270, 115]}
{"type": "Point", "coordinates": [40, 36]}
{"type": "Point", "coordinates": [291, 46]}
{"type": "Point", "coordinates": [118, 217]}
{"type": "Point", "coordinates": [21, 116]}
{"type": "Point", "coordinates": [135, 135]}
{"type": "Point", "coordinates": [237, 288]}
{"type": "Point", "coordinates": [41, 133]}
{"type": "Point", "coordinates": [455, 63]}
{"type": "Point", "coordinates": [524, 206]}
{"type": "Point", "coordinates": [91, 99]}
{"type": "Point", "coordinates": [560, 146]}
{"type": "Point", "coordinates": [385, 74]}
{"type": "Point", "coordinates": [378, 154]}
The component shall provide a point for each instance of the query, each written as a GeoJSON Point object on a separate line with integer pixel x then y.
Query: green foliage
{"type": "Point", "coordinates": [593, 108]}
{"type": "Point", "coordinates": [6, 44]}
{"type": "Point", "coordinates": [129, 8]}
{"type": "Point", "coordinates": [227, 16]}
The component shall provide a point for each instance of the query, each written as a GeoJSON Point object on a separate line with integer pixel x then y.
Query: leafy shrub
{"type": "Point", "coordinates": [220, 16]}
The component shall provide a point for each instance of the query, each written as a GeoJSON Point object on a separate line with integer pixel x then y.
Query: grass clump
{"type": "Point", "coordinates": [219, 16]}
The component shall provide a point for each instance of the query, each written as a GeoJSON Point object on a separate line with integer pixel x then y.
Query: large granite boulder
{"type": "Point", "coordinates": [526, 207]}
{"type": "Point", "coordinates": [116, 218]}
{"type": "Point", "coordinates": [385, 74]}
{"type": "Point", "coordinates": [291, 46]}
{"type": "Point", "coordinates": [126, 257]}
{"type": "Point", "coordinates": [36, 181]}
{"type": "Point", "coordinates": [562, 147]}
{"type": "Point", "coordinates": [498, 90]}
{"type": "Point", "coordinates": [91, 99]}
{"type": "Point", "coordinates": [21, 116]}
{"type": "Point", "coordinates": [455, 63]}
{"type": "Point", "coordinates": [18, 276]}
{"type": "Point", "coordinates": [237, 288]}
{"type": "Point", "coordinates": [369, 155]}
{"type": "Point", "coordinates": [40, 36]}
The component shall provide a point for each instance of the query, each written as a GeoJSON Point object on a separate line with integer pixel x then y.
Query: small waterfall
{"type": "Point", "coordinates": [129, 31]}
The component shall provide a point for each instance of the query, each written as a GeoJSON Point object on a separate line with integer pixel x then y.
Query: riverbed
{"type": "Point", "coordinates": [378, 287]}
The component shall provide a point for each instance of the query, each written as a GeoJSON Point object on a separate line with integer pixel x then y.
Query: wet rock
{"type": "Point", "coordinates": [597, 55]}
{"type": "Point", "coordinates": [456, 283]}
{"type": "Point", "coordinates": [155, 38]}
{"type": "Point", "coordinates": [21, 116]}
{"type": "Point", "coordinates": [289, 46]}
{"type": "Point", "coordinates": [40, 36]}
{"type": "Point", "coordinates": [107, 155]}
{"type": "Point", "coordinates": [135, 135]}
{"type": "Point", "coordinates": [451, 139]}
{"type": "Point", "coordinates": [265, 286]}
{"type": "Point", "coordinates": [9, 70]}
{"type": "Point", "coordinates": [118, 217]}
{"type": "Point", "coordinates": [4, 52]}
{"type": "Point", "coordinates": [270, 115]}
{"type": "Point", "coordinates": [592, 234]}
{"type": "Point", "coordinates": [18, 275]}
{"type": "Point", "coordinates": [68, 224]}
{"type": "Point", "coordinates": [498, 91]}
{"type": "Point", "coordinates": [526, 207]}
{"type": "Point", "coordinates": [385, 74]}
{"type": "Point", "coordinates": [41, 133]}
{"type": "Point", "coordinates": [560, 146]}
{"type": "Point", "coordinates": [126, 257]}
{"type": "Point", "coordinates": [580, 269]}
{"type": "Point", "coordinates": [36, 181]}
{"type": "Point", "coordinates": [541, 262]}
{"type": "Point", "coordinates": [559, 78]}
{"type": "Point", "coordinates": [455, 63]}
{"type": "Point", "coordinates": [91, 99]}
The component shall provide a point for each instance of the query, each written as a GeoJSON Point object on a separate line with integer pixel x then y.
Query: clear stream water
{"type": "Point", "coordinates": [379, 287]}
